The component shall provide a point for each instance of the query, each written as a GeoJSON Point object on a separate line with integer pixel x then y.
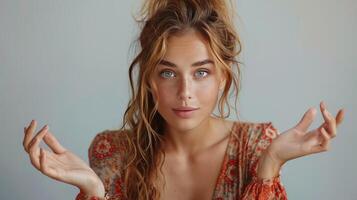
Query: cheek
{"type": "Point", "coordinates": [207, 93]}
{"type": "Point", "coordinates": [165, 93]}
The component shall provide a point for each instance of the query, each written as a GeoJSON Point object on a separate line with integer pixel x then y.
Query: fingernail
{"type": "Point", "coordinates": [313, 110]}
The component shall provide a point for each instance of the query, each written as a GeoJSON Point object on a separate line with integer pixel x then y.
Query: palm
{"type": "Point", "coordinates": [298, 141]}
{"type": "Point", "coordinates": [60, 163]}
{"type": "Point", "coordinates": [295, 143]}
{"type": "Point", "coordinates": [68, 168]}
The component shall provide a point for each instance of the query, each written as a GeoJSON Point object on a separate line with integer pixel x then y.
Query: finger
{"type": "Point", "coordinates": [53, 143]}
{"type": "Point", "coordinates": [326, 137]}
{"type": "Point", "coordinates": [28, 134]}
{"type": "Point", "coordinates": [324, 145]}
{"type": "Point", "coordinates": [330, 121]}
{"type": "Point", "coordinates": [33, 139]}
{"type": "Point", "coordinates": [306, 120]}
{"type": "Point", "coordinates": [34, 149]}
{"type": "Point", "coordinates": [43, 162]}
{"type": "Point", "coordinates": [339, 117]}
{"type": "Point", "coordinates": [31, 122]}
{"type": "Point", "coordinates": [28, 126]}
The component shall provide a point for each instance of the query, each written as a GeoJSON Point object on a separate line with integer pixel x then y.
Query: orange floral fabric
{"type": "Point", "coordinates": [238, 176]}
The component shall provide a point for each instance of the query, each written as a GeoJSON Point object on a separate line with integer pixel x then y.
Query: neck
{"type": "Point", "coordinates": [189, 142]}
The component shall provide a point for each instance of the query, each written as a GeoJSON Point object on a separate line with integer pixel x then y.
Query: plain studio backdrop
{"type": "Point", "coordinates": [65, 63]}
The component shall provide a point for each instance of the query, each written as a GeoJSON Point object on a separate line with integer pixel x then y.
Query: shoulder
{"type": "Point", "coordinates": [107, 143]}
{"type": "Point", "coordinates": [251, 136]}
{"type": "Point", "coordinates": [263, 131]}
{"type": "Point", "coordinates": [255, 130]}
{"type": "Point", "coordinates": [107, 157]}
{"type": "Point", "coordinates": [256, 136]}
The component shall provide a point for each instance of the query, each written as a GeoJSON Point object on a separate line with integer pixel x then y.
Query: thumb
{"type": "Point", "coordinates": [306, 120]}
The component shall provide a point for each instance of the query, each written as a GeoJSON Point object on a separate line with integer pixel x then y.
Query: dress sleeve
{"type": "Point", "coordinates": [260, 137]}
{"type": "Point", "coordinates": [105, 158]}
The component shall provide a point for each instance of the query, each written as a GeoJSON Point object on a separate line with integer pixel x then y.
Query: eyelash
{"type": "Point", "coordinates": [200, 70]}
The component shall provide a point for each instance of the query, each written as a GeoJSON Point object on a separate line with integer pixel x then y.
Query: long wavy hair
{"type": "Point", "coordinates": [158, 20]}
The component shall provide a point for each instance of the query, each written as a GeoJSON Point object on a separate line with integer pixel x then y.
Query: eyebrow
{"type": "Point", "coordinates": [195, 64]}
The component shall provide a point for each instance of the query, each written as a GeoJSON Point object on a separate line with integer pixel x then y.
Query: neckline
{"type": "Point", "coordinates": [225, 160]}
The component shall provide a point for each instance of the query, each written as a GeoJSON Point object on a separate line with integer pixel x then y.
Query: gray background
{"type": "Point", "coordinates": [64, 63]}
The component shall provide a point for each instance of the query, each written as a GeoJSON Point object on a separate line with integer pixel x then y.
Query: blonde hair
{"type": "Point", "coordinates": [160, 19]}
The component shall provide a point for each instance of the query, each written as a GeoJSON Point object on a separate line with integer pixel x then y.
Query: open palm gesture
{"type": "Point", "coordinates": [59, 164]}
{"type": "Point", "coordinates": [298, 141]}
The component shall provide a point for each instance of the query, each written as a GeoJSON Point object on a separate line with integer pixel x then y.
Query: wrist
{"type": "Point", "coordinates": [268, 165]}
{"type": "Point", "coordinates": [93, 188]}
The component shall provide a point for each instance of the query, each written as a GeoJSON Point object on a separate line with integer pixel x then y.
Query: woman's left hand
{"type": "Point", "coordinates": [297, 142]}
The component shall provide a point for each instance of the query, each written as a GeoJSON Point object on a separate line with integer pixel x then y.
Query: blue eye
{"type": "Point", "coordinates": [201, 73]}
{"type": "Point", "coordinates": [170, 74]}
{"type": "Point", "coordinates": [166, 74]}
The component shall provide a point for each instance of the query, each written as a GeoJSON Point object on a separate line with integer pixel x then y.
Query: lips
{"type": "Point", "coordinates": [185, 109]}
{"type": "Point", "coordinates": [185, 112]}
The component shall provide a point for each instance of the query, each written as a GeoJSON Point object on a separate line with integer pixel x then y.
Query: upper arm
{"type": "Point", "coordinates": [106, 158]}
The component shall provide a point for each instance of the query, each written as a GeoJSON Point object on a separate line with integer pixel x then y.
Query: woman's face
{"type": "Point", "coordinates": [186, 77]}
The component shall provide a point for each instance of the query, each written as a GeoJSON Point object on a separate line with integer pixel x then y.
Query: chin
{"type": "Point", "coordinates": [184, 124]}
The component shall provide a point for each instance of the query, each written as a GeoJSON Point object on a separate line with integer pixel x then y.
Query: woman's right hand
{"type": "Point", "coordinates": [60, 164]}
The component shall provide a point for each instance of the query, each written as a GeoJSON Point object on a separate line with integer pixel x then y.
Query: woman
{"type": "Point", "coordinates": [170, 146]}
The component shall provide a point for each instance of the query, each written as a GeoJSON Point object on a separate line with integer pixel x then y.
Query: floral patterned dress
{"type": "Point", "coordinates": [238, 176]}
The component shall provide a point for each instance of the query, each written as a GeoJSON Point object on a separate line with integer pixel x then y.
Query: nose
{"type": "Point", "coordinates": [184, 91]}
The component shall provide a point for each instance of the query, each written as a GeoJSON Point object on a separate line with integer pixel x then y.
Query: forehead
{"type": "Point", "coordinates": [187, 46]}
